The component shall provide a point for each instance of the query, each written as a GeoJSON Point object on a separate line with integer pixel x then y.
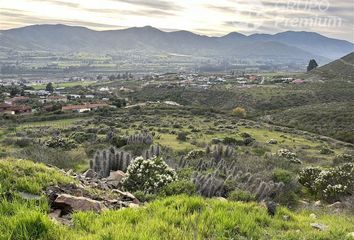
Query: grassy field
{"type": "Point", "coordinates": [178, 217]}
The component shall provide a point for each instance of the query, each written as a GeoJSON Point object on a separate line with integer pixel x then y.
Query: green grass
{"type": "Point", "coordinates": [65, 85]}
{"type": "Point", "coordinates": [178, 217]}
{"type": "Point", "coordinates": [22, 175]}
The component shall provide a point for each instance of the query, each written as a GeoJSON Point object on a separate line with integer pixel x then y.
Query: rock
{"type": "Point", "coordinates": [221, 199]}
{"type": "Point", "coordinates": [133, 205]}
{"type": "Point", "coordinates": [29, 196]}
{"type": "Point", "coordinates": [56, 216]}
{"type": "Point", "coordinates": [313, 216]}
{"type": "Point", "coordinates": [127, 196]}
{"type": "Point", "coordinates": [336, 205]}
{"type": "Point", "coordinates": [319, 226]}
{"type": "Point", "coordinates": [90, 174]}
{"type": "Point", "coordinates": [303, 203]}
{"type": "Point", "coordinates": [272, 141]}
{"type": "Point", "coordinates": [350, 235]}
{"type": "Point", "coordinates": [116, 176]}
{"type": "Point", "coordinates": [68, 203]}
{"type": "Point", "coordinates": [318, 204]}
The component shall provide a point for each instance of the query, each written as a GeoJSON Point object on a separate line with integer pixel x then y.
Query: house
{"type": "Point", "coordinates": [16, 100]}
{"type": "Point", "coordinates": [14, 109]}
{"type": "Point", "coordinates": [84, 108]}
{"type": "Point", "coordinates": [89, 96]}
{"type": "Point", "coordinates": [4, 107]}
{"type": "Point", "coordinates": [55, 99]}
{"type": "Point", "coordinates": [74, 96]}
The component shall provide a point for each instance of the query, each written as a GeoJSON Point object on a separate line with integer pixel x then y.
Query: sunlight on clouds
{"type": "Point", "coordinates": [208, 17]}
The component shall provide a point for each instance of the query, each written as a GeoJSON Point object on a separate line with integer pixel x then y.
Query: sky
{"type": "Point", "coordinates": [333, 18]}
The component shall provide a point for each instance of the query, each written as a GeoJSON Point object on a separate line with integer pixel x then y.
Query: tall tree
{"type": "Point", "coordinates": [312, 65]}
{"type": "Point", "coordinates": [49, 87]}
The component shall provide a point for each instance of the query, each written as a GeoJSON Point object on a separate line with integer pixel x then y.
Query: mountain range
{"type": "Point", "coordinates": [63, 38]}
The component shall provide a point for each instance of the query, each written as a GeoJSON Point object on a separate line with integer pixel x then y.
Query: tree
{"type": "Point", "coordinates": [312, 65]}
{"type": "Point", "coordinates": [49, 87]}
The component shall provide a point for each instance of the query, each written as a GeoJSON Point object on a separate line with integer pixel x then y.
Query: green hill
{"type": "Point", "coordinates": [179, 217]}
{"type": "Point", "coordinates": [342, 68]}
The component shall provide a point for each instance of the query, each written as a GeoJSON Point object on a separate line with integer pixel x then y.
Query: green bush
{"type": "Point", "coordinates": [145, 197]}
{"type": "Point", "coordinates": [182, 136]}
{"type": "Point", "coordinates": [81, 137]}
{"type": "Point", "coordinates": [148, 175]}
{"type": "Point", "coordinates": [242, 196]}
{"type": "Point", "coordinates": [178, 188]}
{"type": "Point", "coordinates": [58, 142]}
{"type": "Point", "coordinates": [343, 158]}
{"type": "Point", "coordinates": [282, 175]}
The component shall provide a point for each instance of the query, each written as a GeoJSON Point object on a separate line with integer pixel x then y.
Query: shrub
{"type": "Point", "coordinates": [343, 158]}
{"type": "Point", "coordinates": [239, 112]}
{"type": "Point", "coordinates": [281, 175]}
{"type": "Point", "coordinates": [243, 196]}
{"type": "Point", "coordinates": [144, 197]}
{"type": "Point", "coordinates": [326, 151]}
{"type": "Point", "coordinates": [331, 184]}
{"type": "Point", "coordinates": [178, 188]}
{"type": "Point", "coordinates": [23, 142]}
{"type": "Point", "coordinates": [58, 142]}
{"type": "Point", "coordinates": [81, 137]}
{"type": "Point", "coordinates": [308, 176]}
{"type": "Point", "coordinates": [148, 175]}
{"type": "Point", "coordinates": [182, 136]}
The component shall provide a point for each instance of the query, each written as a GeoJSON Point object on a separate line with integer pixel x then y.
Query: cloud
{"type": "Point", "coordinates": [155, 4]}
{"type": "Point", "coordinates": [60, 3]}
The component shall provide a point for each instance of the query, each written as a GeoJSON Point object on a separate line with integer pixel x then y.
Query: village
{"type": "Point", "coordinates": [82, 94]}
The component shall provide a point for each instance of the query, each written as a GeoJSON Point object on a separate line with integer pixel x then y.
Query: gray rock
{"type": "Point", "coordinates": [319, 226]}
{"type": "Point", "coordinates": [68, 203]}
{"type": "Point", "coordinates": [90, 174]}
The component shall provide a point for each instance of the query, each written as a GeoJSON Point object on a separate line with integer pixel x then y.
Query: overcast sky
{"type": "Point", "coordinates": [333, 18]}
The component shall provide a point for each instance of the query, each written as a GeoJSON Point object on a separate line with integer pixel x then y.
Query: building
{"type": "Point", "coordinates": [55, 99]}
{"type": "Point", "coordinates": [15, 109]}
{"type": "Point", "coordinates": [84, 108]}
{"type": "Point", "coordinates": [16, 100]}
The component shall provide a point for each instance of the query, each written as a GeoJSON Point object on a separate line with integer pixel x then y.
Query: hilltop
{"type": "Point", "coordinates": [62, 38]}
{"type": "Point", "coordinates": [342, 68]}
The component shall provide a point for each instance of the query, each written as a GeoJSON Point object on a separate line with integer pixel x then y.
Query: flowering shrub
{"type": "Point", "coordinates": [285, 153]}
{"type": "Point", "coordinates": [194, 154]}
{"type": "Point", "coordinates": [308, 176]}
{"type": "Point", "coordinates": [148, 175]}
{"type": "Point", "coordinates": [329, 184]}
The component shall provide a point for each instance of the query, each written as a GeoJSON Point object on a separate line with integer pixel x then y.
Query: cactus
{"type": "Point", "coordinates": [212, 185]}
{"type": "Point", "coordinates": [110, 160]}
{"type": "Point", "coordinates": [142, 138]}
{"type": "Point", "coordinates": [154, 150]}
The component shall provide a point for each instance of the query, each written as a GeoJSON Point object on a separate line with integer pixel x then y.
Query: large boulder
{"type": "Point", "coordinates": [127, 196]}
{"type": "Point", "coordinates": [68, 203]}
{"type": "Point", "coordinates": [115, 178]}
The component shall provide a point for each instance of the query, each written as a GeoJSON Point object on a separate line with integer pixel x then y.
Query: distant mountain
{"type": "Point", "coordinates": [311, 42]}
{"type": "Point", "coordinates": [62, 38]}
{"type": "Point", "coordinates": [343, 68]}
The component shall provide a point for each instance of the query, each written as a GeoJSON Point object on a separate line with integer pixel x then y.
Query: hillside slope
{"type": "Point", "coordinates": [341, 68]}
{"type": "Point", "coordinates": [178, 217]}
